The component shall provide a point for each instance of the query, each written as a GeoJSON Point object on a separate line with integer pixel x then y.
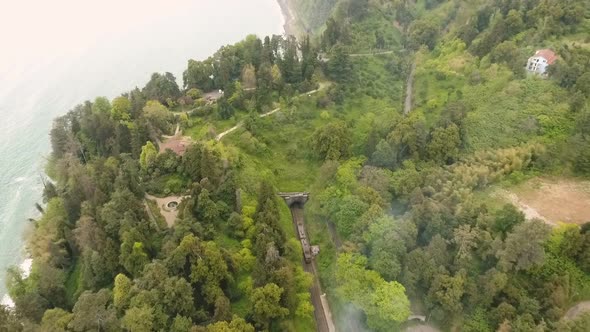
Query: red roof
{"type": "Point", "coordinates": [547, 54]}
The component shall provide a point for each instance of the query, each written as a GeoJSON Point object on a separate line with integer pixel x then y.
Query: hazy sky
{"type": "Point", "coordinates": [35, 32]}
{"type": "Point", "coordinates": [36, 29]}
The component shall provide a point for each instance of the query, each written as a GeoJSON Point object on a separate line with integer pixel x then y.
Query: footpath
{"type": "Point", "coordinates": [234, 128]}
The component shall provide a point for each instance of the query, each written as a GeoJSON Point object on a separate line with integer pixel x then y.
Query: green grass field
{"type": "Point", "coordinates": [73, 282]}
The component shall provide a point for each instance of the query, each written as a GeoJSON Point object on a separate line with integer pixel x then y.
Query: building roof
{"type": "Point", "coordinates": [547, 54]}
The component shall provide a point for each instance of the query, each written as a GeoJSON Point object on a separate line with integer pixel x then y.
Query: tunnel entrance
{"type": "Point", "coordinates": [292, 198]}
{"type": "Point", "coordinates": [322, 313]}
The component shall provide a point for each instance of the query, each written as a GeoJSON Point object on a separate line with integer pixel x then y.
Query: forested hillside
{"type": "Point", "coordinates": [397, 117]}
{"type": "Point", "coordinates": [406, 202]}
{"type": "Point", "coordinates": [104, 260]}
{"type": "Point", "coordinates": [311, 14]}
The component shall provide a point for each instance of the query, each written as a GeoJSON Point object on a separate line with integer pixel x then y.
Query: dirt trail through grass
{"type": "Point", "coordinates": [409, 90]}
{"type": "Point", "coordinates": [232, 129]}
{"type": "Point", "coordinates": [370, 54]}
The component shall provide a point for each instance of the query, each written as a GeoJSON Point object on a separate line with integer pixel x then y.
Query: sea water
{"type": "Point", "coordinates": [56, 54]}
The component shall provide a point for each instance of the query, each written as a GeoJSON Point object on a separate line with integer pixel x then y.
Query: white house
{"type": "Point", "coordinates": [539, 62]}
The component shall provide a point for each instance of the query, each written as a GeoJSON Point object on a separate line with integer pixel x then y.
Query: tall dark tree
{"type": "Point", "coordinates": [340, 66]}
{"type": "Point", "coordinates": [308, 59]}
{"type": "Point", "coordinates": [198, 75]}
{"type": "Point", "coordinates": [290, 66]}
{"type": "Point", "coordinates": [161, 87]}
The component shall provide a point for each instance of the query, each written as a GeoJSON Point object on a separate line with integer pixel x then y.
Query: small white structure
{"type": "Point", "coordinates": [315, 250]}
{"type": "Point", "coordinates": [539, 62]}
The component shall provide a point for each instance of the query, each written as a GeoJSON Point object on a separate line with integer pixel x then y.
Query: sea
{"type": "Point", "coordinates": [57, 54]}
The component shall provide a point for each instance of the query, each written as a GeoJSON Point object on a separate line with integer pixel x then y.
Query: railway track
{"type": "Point", "coordinates": [322, 314]}
{"type": "Point", "coordinates": [309, 266]}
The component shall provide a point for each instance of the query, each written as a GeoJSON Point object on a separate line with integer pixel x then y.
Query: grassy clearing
{"type": "Point", "coordinates": [207, 127]}
{"type": "Point", "coordinates": [379, 78]}
{"type": "Point", "coordinates": [73, 282]}
{"type": "Point", "coordinates": [155, 211]}
{"type": "Point", "coordinates": [516, 113]}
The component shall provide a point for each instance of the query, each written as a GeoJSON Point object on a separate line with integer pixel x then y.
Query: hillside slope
{"type": "Point", "coordinates": [399, 202]}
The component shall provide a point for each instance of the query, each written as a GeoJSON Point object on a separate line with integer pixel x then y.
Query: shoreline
{"type": "Point", "coordinates": [289, 17]}
{"type": "Point", "coordinates": [18, 253]}
{"type": "Point", "coordinates": [289, 28]}
{"type": "Point", "coordinates": [25, 270]}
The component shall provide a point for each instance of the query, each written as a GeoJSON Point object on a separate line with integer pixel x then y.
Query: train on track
{"type": "Point", "coordinates": [307, 254]}
{"type": "Point", "coordinates": [295, 201]}
{"type": "Point", "coordinates": [301, 234]}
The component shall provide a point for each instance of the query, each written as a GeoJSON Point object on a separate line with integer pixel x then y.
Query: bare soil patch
{"type": "Point", "coordinates": [577, 310]}
{"type": "Point", "coordinates": [553, 200]}
{"type": "Point", "coordinates": [168, 207]}
{"type": "Point", "coordinates": [177, 143]}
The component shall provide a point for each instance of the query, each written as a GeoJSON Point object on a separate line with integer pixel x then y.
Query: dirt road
{"type": "Point", "coordinates": [370, 54]}
{"type": "Point", "coordinates": [409, 90]}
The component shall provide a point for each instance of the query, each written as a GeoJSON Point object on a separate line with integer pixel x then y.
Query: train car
{"type": "Point", "coordinates": [307, 255]}
{"type": "Point", "coordinates": [295, 203]}
{"type": "Point", "coordinates": [305, 246]}
{"type": "Point", "coordinates": [301, 231]}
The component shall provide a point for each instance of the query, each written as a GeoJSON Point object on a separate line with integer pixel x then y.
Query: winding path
{"type": "Point", "coordinates": [409, 89]}
{"type": "Point", "coordinates": [370, 54]}
{"type": "Point", "coordinates": [323, 57]}
{"type": "Point", "coordinates": [232, 129]}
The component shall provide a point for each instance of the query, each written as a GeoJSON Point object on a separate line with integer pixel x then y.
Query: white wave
{"type": "Point", "coordinates": [25, 267]}
{"type": "Point", "coordinates": [19, 179]}
{"type": "Point", "coordinates": [7, 301]}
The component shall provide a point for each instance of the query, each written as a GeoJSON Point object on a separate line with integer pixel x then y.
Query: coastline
{"type": "Point", "coordinates": [25, 268]}
{"type": "Point", "coordinates": [47, 89]}
{"type": "Point", "coordinates": [289, 17]}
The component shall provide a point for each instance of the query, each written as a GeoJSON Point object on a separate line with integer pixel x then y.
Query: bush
{"type": "Point", "coordinates": [174, 185]}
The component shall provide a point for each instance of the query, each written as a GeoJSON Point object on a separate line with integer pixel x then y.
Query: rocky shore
{"type": "Point", "coordinates": [290, 24]}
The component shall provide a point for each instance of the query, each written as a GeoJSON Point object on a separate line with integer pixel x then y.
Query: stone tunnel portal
{"type": "Point", "coordinates": [295, 199]}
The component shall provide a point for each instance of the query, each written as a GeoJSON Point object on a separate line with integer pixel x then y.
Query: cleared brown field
{"type": "Point", "coordinates": [554, 199]}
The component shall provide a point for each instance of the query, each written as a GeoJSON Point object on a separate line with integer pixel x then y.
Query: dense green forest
{"type": "Point", "coordinates": [398, 201]}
